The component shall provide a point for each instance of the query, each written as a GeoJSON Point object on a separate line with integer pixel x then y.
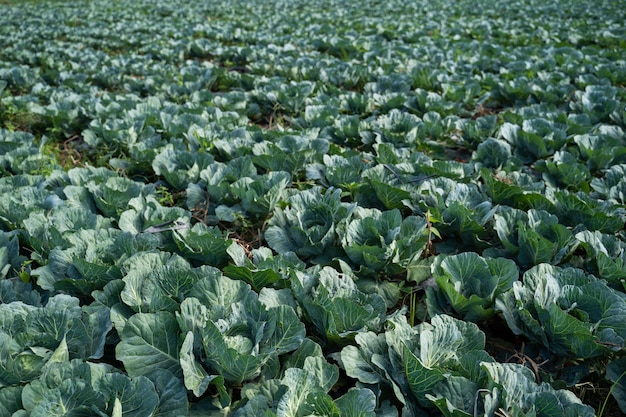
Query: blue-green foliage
{"type": "Point", "coordinates": [214, 209]}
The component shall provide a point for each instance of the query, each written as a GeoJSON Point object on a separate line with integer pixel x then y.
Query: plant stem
{"type": "Point", "coordinates": [609, 394]}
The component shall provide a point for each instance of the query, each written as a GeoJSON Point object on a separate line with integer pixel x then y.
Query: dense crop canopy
{"type": "Point", "coordinates": [312, 208]}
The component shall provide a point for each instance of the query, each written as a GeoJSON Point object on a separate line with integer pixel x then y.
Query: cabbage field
{"type": "Point", "coordinates": [324, 208]}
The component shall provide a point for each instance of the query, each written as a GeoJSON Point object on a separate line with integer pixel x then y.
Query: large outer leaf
{"type": "Point", "coordinates": [56, 373]}
{"type": "Point", "coordinates": [506, 271]}
{"type": "Point", "coordinates": [471, 282]}
{"type": "Point", "coordinates": [257, 278]}
{"type": "Point", "coordinates": [9, 254]}
{"type": "Point", "coordinates": [300, 385]}
{"type": "Point", "coordinates": [499, 189]}
{"type": "Point", "coordinates": [149, 341]}
{"type": "Point", "coordinates": [492, 153]}
{"type": "Point", "coordinates": [196, 377]}
{"type": "Point", "coordinates": [288, 331]}
{"type": "Point", "coordinates": [357, 402]}
{"type": "Point", "coordinates": [357, 360]}
{"type": "Point", "coordinates": [326, 374]}
{"type": "Point", "coordinates": [157, 281]}
{"type": "Point", "coordinates": [203, 244]}
{"type": "Point", "coordinates": [463, 276]}
{"type": "Point", "coordinates": [137, 396]}
{"type": "Point", "coordinates": [172, 395]}
{"type": "Point", "coordinates": [533, 248]}
{"type": "Point", "coordinates": [71, 397]}
{"type": "Point", "coordinates": [220, 295]}
{"type": "Point", "coordinates": [391, 197]}
{"type": "Point", "coordinates": [235, 365]}
{"type": "Point", "coordinates": [320, 404]}
{"type": "Point", "coordinates": [447, 338]}
{"type": "Point", "coordinates": [145, 212]}
{"type": "Point", "coordinates": [520, 393]}
{"type": "Point", "coordinates": [10, 400]}
{"type": "Point", "coordinates": [613, 185]}
{"type": "Point", "coordinates": [307, 349]}
{"type": "Point", "coordinates": [97, 324]}
{"type": "Point", "coordinates": [567, 334]}
{"type": "Point", "coordinates": [307, 388]}
{"type": "Point", "coordinates": [606, 254]}
{"type": "Point", "coordinates": [421, 379]}
{"type": "Point", "coordinates": [605, 308]}
{"type": "Point", "coordinates": [50, 324]}
{"type": "Point", "coordinates": [17, 290]}
{"type": "Point", "coordinates": [455, 396]}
